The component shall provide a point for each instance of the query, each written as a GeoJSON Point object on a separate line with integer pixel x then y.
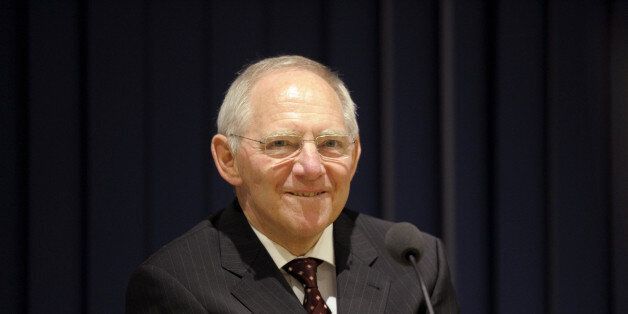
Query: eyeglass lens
{"type": "Point", "coordinates": [331, 146]}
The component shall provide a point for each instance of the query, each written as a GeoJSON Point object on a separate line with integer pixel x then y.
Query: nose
{"type": "Point", "coordinates": [308, 163]}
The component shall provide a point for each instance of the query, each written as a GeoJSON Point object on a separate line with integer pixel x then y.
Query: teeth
{"type": "Point", "coordinates": [309, 194]}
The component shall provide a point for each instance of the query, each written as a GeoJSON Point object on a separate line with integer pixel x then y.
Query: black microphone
{"type": "Point", "coordinates": [405, 242]}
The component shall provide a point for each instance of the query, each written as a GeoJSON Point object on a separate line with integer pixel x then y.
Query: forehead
{"type": "Point", "coordinates": [295, 99]}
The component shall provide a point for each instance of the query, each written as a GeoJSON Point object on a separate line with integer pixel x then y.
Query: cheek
{"type": "Point", "coordinates": [340, 176]}
{"type": "Point", "coordinates": [252, 175]}
{"type": "Point", "coordinates": [267, 177]}
{"type": "Point", "coordinates": [279, 171]}
{"type": "Point", "coordinates": [339, 172]}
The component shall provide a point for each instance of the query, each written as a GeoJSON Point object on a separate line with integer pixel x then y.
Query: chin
{"type": "Point", "coordinates": [310, 225]}
{"type": "Point", "coordinates": [309, 217]}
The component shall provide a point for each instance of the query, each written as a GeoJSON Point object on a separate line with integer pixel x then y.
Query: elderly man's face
{"type": "Point", "coordinates": [294, 198]}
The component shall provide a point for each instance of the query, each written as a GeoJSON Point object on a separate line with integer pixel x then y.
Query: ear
{"type": "Point", "coordinates": [224, 160]}
{"type": "Point", "coordinates": [356, 156]}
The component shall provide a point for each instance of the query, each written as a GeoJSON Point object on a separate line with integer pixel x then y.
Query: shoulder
{"type": "Point", "coordinates": [433, 265]}
{"type": "Point", "coordinates": [161, 282]}
{"type": "Point", "coordinates": [376, 228]}
{"type": "Point", "coordinates": [199, 240]}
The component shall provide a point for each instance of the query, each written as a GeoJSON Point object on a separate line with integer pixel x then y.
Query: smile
{"type": "Point", "coordinates": [306, 194]}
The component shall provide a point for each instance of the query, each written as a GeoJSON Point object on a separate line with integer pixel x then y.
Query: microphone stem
{"type": "Point", "coordinates": [426, 296]}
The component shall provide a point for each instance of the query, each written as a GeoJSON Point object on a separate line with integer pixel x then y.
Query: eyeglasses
{"type": "Point", "coordinates": [283, 146]}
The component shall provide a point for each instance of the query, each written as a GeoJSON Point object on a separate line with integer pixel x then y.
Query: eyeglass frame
{"type": "Point", "coordinates": [261, 141]}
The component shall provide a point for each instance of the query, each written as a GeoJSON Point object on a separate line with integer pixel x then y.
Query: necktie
{"type": "Point", "coordinates": [304, 270]}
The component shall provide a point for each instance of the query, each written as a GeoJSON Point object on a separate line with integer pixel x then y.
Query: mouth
{"type": "Point", "coordinates": [306, 194]}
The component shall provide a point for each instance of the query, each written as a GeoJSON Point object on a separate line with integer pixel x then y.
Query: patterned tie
{"type": "Point", "coordinates": [304, 270]}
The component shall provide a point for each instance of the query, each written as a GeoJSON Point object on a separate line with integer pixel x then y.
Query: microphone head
{"type": "Point", "coordinates": [402, 240]}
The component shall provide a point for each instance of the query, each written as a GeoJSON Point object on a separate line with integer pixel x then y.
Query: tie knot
{"type": "Point", "coordinates": [304, 270]}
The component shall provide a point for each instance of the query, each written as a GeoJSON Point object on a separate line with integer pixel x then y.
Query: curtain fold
{"type": "Point", "coordinates": [499, 126]}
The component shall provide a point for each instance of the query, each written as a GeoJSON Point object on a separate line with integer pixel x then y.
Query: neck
{"type": "Point", "coordinates": [300, 247]}
{"type": "Point", "coordinates": [296, 244]}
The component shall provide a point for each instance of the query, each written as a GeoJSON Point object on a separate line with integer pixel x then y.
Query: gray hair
{"type": "Point", "coordinates": [235, 111]}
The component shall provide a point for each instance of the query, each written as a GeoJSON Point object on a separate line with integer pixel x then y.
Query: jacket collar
{"type": "Point", "coordinates": [263, 286]}
{"type": "Point", "coordinates": [358, 282]}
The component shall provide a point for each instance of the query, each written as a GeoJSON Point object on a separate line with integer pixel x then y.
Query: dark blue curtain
{"type": "Point", "coordinates": [500, 126]}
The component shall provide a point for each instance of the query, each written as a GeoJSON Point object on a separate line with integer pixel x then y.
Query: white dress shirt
{"type": "Point", "coordinates": [326, 271]}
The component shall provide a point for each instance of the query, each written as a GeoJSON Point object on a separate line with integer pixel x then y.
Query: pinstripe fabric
{"type": "Point", "coordinates": [221, 267]}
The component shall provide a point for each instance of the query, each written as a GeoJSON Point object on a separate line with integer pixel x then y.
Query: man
{"type": "Point", "coordinates": [288, 143]}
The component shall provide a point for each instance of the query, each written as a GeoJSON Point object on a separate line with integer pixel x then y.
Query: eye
{"type": "Point", "coordinates": [331, 143]}
{"type": "Point", "coordinates": [277, 144]}
{"type": "Point", "coordinates": [282, 143]}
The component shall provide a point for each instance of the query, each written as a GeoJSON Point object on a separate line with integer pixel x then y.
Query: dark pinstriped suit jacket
{"type": "Point", "coordinates": [220, 266]}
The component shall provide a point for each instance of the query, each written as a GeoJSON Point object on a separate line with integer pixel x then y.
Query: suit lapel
{"type": "Point", "coordinates": [360, 287]}
{"type": "Point", "coordinates": [262, 288]}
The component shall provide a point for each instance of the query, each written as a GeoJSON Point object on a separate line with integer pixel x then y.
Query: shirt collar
{"type": "Point", "coordinates": [323, 249]}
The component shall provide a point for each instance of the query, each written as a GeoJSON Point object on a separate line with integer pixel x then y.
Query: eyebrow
{"type": "Point", "coordinates": [295, 133]}
{"type": "Point", "coordinates": [283, 132]}
{"type": "Point", "coordinates": [332, 132]}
